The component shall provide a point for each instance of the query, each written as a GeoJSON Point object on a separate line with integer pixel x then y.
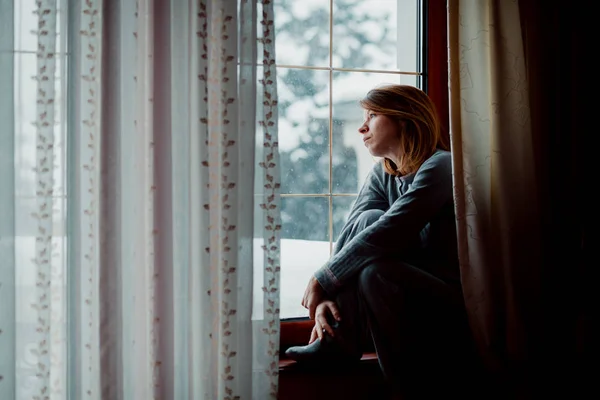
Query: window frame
{"type": "Point", "coordinates": [296, 331]}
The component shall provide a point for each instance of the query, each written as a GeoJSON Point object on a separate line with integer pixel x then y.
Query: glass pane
{"type": "Point", "coordinates": [303, 130]}
{"type": "Point", "coordinates": [376, 34]}
{"type": "Point", "coordinates": [351, 160]}
{"type": "Point", "coordinates": [341, 209]}
{"type": "Point", "coordinates": [305, 218]}
{"type": "Point", "coordinates": [304, 248]}
{"type": "Point", "coordinates": [302, 32]}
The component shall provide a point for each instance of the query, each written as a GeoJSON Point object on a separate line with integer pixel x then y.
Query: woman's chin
{"type": "Point", "coordinates": [373, 151]}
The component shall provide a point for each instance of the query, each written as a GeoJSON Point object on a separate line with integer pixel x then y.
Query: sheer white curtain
{"type": "Point", "coordinates": [140, 187]}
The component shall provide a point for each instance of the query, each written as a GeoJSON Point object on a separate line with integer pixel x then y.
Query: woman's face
{"type": "Point", "coordinates": [381, 135]}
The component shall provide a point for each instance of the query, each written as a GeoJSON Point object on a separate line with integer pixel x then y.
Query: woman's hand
{"type": "Point", "coordinates": [325, 308]}
{"type": "Point", "coordinates": [313, 296]}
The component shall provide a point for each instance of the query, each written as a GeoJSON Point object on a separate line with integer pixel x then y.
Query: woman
{"type": "Point", "coordinates": [394, 274]}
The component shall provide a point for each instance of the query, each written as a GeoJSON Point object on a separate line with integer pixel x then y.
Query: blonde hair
{"type": "Point", "coordinates": [421, 135]}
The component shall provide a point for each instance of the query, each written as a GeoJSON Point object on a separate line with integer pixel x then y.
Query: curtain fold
{"type": "Point", "coordinates": [83, 169]}
{"type": "Point", "coordinates": [8, 182]}
{"type": "Point", "coordinates": [268, 185]}
{"type": "Point", "coordinates": [139, 197]}
{"type": "Point", "coordinates": [496, 190]}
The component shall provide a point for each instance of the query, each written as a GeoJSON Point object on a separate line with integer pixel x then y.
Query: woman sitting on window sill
{"type": "Point", "coordinates": [394, 275]}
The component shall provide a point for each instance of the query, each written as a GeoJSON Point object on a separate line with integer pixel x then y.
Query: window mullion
{"type": "Point", "coordinates": [330, 127]}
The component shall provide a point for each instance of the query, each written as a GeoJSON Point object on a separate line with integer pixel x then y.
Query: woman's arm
{"type": "Point", "coordinates": [370, 197]}
{"type": "Point", "coordinates": [392, 233]}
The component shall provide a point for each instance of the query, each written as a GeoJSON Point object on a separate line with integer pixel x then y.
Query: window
{"type": "Point", "coordinates": [329, 54]}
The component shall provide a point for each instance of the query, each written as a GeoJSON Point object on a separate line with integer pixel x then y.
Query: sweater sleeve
{"type": "Point", "coordinates": [430, 191]}
{"type": "Point", "coordinates": [370, 197]}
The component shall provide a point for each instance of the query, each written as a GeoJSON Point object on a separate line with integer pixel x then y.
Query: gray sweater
{"type": "Point", "coordinates": [418, 226]}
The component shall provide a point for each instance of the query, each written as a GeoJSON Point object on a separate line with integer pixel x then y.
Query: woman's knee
{"type": "Point", "coordinates": [368, 217]}
{"type": "Point", "coordinates": [384, 279]}
{"type": "Point", "coordinates": [370, 281]}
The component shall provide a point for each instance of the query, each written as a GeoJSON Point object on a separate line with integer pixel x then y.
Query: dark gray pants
{"type": "Point", "coordinates": [417, 322]}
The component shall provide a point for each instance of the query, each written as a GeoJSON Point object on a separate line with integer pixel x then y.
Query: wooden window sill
{"type": "Point", "coordinates": [285, 364]}
{"type": "Point", "coordinates": [354, 381]}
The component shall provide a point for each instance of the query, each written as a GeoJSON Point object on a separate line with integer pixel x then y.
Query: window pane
{"type": "Point", "coordinates": [352, 161]}
{"type": "Point", "coordinates": [303, 130]}
{"type": "Point", "coordinates": [344, 159]}
{"type": "Point", "coordinates": [304, 248]}
{"type": "Point", "coordinates": [302, 32]}
{"type": "Point", "coordinates": [299, 261]}
{"type": "Point", "coordinates": [305, 218]}
{"type": "Point", "coordinates": [376, 34]}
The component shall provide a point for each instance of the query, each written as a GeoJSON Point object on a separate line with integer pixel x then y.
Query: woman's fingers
{"type": "Point", "coordinates": [311, 304]}
{"type": "Point", "coordinates": [312, 307]}
{"type": "Point", "coordinates": [308, 296]}
{"type": "Point", "coordinates": [313, 334]}
{"type": "Point", "coordinates": [304, 299]}
{"type": "Point", "coordinates": [319, 330]}
{"type": "Point", "coordinates": [325, 326]}
{"type": "Point", "coordinates": [305, 295]}
{"type": "Point", "coordinates": [321, 317]}
{"type": "Point", "coordinates": [334, 310]}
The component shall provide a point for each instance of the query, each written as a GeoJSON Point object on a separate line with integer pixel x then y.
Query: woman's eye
{"type": "Point", "coordinates": [371, 115]}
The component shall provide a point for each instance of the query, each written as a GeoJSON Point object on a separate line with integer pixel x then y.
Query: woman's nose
{"type": "Point", "coordinates": [363, 129]}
